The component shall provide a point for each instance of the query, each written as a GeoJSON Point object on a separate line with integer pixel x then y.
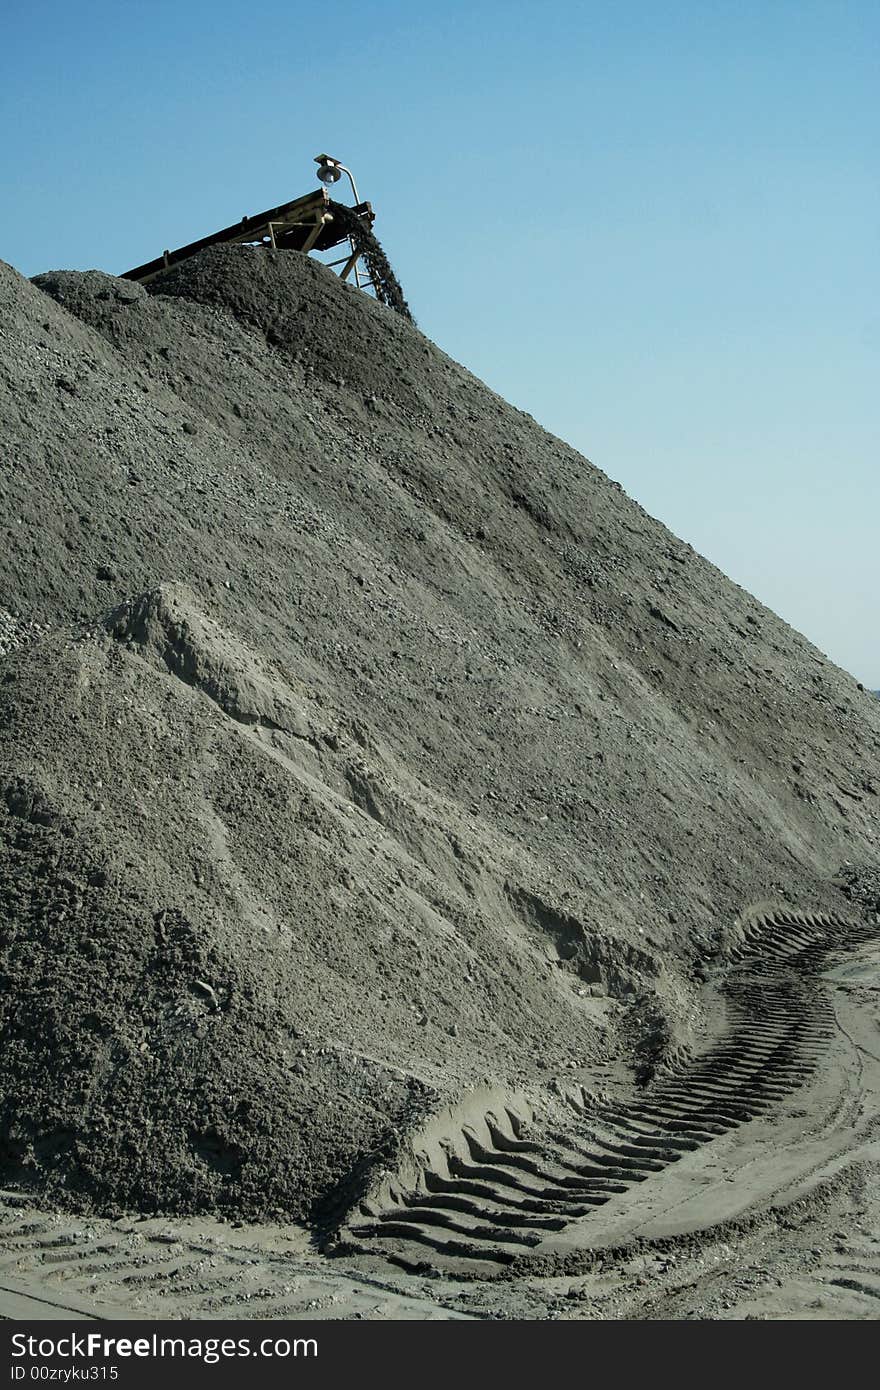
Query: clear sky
{"type": "Point", "coordinates": [654, 226]}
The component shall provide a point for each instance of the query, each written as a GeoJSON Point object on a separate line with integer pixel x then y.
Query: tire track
{"type": "Point", "coordinates": [501, 1188]}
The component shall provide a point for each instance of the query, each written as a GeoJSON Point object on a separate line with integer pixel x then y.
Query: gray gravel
{"type": "Point", "coordinates": [374, 744]}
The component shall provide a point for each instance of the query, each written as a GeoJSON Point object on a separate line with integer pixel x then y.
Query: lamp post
{"type": "Point", "coordinates": [329, 172]}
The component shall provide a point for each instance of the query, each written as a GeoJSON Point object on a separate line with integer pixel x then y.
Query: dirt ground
{"type": "Point", "coordinates": [366, 753]}
{"type": "Point", "coordinates": [778, 1221]}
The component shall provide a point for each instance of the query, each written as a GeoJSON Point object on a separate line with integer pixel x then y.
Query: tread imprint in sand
{"type": "Point", "coordinates": [507, 1195]}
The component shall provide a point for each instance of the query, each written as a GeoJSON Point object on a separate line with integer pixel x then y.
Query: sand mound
{"type": "Point", "coordinates": [359, 743]}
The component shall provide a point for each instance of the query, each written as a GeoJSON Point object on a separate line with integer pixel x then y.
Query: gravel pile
{"type": "Point", "coordinates": [373, 744]}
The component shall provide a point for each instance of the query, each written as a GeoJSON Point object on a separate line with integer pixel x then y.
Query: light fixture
{"type": "Point", "coordinates": [330, 171]}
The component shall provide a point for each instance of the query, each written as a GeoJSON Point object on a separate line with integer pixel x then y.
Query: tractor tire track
{"type": "Point", "coordinates": [500, 1192]}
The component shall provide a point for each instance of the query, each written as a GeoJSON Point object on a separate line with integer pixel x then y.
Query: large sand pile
{"type": "Point", "coordinates": [360, 742]}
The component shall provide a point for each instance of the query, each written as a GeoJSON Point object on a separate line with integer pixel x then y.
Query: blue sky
{"type": "Point", "coordinates": [654, 226]}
